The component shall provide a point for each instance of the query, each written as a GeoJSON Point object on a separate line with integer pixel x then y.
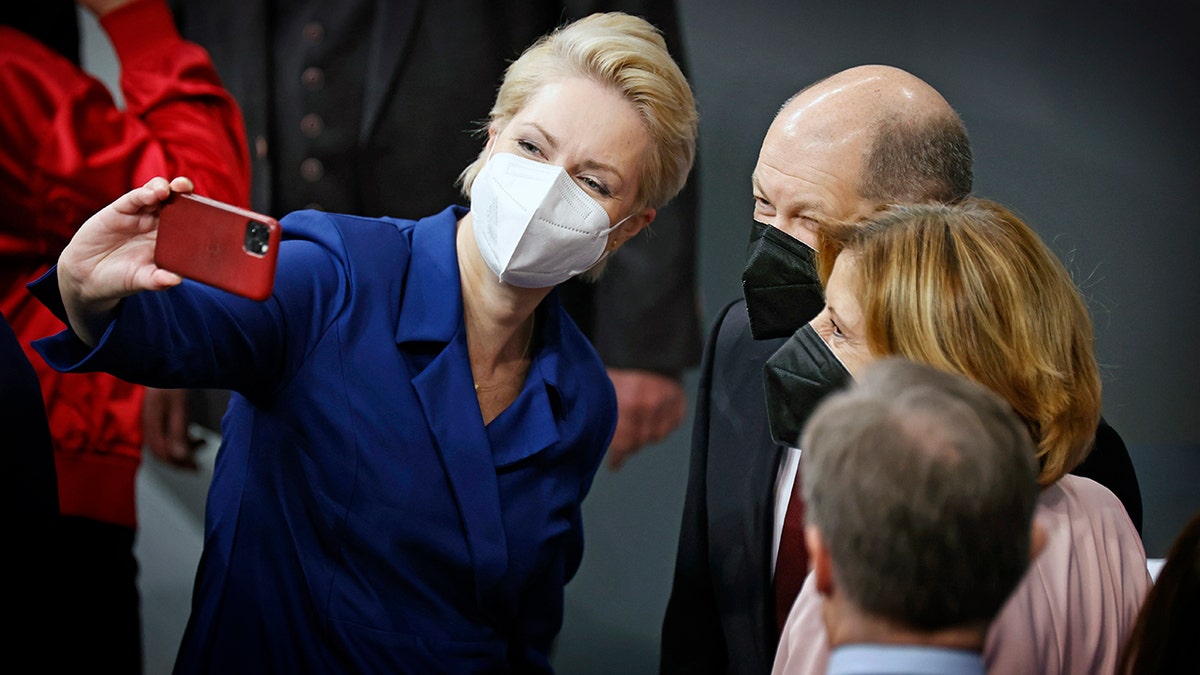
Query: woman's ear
{"type": "Point", "coordinates": [493, 132]}
{"type": "Point", "coordinates": [630, 228]}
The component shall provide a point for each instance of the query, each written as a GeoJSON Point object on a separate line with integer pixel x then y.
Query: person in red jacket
{"type": "Point", "coordinates": [66, 150]}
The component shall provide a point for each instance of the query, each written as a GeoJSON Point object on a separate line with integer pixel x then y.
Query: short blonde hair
{"type": "Point", "coordinates": [629, 55]}
{"type": "Point", "coordinates": [971, 289]}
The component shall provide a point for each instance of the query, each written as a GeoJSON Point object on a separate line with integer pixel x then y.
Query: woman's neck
{"type": "Point", "coordinates": [497, 313]}
{"type": "Point", "coordinates": [499, 321]}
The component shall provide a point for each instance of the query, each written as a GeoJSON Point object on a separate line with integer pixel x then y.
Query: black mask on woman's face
{"type": "Point", "coordinates": [779, 283]}
{"type": "Point", "coordinates": [797, 377]}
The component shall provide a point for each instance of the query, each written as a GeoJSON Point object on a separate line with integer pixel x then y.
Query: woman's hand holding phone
{"type": "Point", "coordinates": [112, 256]}
{"type": "Point", "coordinates": [218, 244]}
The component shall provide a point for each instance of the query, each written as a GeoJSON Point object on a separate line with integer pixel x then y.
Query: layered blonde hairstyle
{"type": "Point", "coordinates": [628, 55]}
{"type": "Point", "coordinates": [971, 289]}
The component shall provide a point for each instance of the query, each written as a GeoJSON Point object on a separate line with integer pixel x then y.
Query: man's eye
{"type": "Point", "coordinates": [763, 208]}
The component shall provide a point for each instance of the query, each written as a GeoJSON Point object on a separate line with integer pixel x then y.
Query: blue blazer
{"type": "Point", "coordinates": [361, 516]}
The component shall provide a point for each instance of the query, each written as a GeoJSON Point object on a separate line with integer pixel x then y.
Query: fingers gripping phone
{"type": "Point", "coordinates": [218, 244]}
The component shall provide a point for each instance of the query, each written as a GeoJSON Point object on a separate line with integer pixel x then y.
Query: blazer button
{"type": "Point", "coordinates": [312, 170]}
{"type": "Point", "coordinates": [313, 78]}
{"type": "Point", "coordinates": [260, 146]}
{"type": "Point", "coordinates": [314, 32]}
{"type": "Point", "coordinates": [311, 125]}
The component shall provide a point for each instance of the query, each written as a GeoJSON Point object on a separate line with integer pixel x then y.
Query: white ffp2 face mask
{"type": "Point", "coordinates": [533, 224]}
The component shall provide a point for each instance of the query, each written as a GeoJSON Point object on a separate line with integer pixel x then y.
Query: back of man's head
{"type": "Point", "coordinates": [922, 485]}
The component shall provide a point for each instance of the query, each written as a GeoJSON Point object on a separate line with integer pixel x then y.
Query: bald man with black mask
{"type": "Point", "coordinates": [840, 149]}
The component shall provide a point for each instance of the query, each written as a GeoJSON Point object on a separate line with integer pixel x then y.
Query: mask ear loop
{"type": "Point", "coordinates": [485, 163]}
{"type": "Point", "coordinates": [618, 224]}
{"type": "Point", "coordinates": [611, 246]}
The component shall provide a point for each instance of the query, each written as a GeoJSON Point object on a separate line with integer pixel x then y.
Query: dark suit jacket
{"type": "Point", "coordinates": [721, 614]}
{"type": "Point", "coordinates": [432, 69]}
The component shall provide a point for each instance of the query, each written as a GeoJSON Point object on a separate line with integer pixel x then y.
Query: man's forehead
{"type": "Point", "coordinates": [822, 158]}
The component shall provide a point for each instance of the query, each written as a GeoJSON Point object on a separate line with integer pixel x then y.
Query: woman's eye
{"type": "Point", "coordinates": [529, 147]}
{"type": "Point", "coordinates": [597, 186]}
{"type": "Point", "coordinates": [836, 330]}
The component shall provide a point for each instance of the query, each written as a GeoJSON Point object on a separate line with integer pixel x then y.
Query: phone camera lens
{"type": "Point", "coordinates": [257, 238]}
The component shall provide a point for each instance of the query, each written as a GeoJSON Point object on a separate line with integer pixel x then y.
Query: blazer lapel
{"type": "Point", "coordinates": [447, 397]}
{"type": "Point", "coordinates": [395, 23]}
{"type": "Point", "coordinates": [431, 315]}
{"type": "Point", "coordinates": [746, 459]}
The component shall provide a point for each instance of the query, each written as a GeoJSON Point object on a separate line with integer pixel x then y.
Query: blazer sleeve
{"type": "Point", "coordinates": [196, 336]}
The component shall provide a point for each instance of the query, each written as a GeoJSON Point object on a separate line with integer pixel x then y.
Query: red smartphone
{"type": "Point", "coordinates": [218, 244]}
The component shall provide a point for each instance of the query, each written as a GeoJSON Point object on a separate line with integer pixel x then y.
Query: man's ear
{"type": "Point", "coordinates": [820, 560]}
{"type": "Point", "coordinates": [630, 228]}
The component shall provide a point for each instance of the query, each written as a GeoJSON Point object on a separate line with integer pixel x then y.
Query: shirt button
{"type": "Point", "coordinates": [314, 32]}
{"type": "Point", "coordinates": [313, 78]}
{"type": "Point", "coordinates": [312, 170]}
{"type": "Point", "coordinates": [311, 125]}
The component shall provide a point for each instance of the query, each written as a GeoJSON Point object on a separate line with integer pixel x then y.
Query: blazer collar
{"type": "Point", "coordinates": [431, 304]}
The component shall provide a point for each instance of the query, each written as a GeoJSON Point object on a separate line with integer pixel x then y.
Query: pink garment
{"type": "Point", "coordinates": [1070, 614]}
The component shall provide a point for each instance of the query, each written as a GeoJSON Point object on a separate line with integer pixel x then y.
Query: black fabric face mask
{"type": "Point", "coordinates": [797, 377]}
{"type": "Point", "coordinates": [780, 283]}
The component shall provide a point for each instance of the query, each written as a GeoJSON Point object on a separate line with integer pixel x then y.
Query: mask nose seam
{"type": "Point", "coordinates": [580, 210]}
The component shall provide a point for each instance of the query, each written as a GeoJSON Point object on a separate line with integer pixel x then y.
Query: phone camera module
{"type": "Point", "coordinates": [258, 238]}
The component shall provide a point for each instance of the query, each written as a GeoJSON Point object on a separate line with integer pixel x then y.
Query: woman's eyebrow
{"type": "Point", "coordinates": [551, 139]}
{"type": "Point", "coordinates": [552, 143]}
{"type": "Point", "coordinates": [601, 166]}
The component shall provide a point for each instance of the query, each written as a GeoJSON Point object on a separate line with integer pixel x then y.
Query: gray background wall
{"type": "Point", "coordinates": [1082, 119]}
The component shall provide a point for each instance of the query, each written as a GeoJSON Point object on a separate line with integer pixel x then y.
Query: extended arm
{"type": "Point", "coordinates": [112, 256]}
